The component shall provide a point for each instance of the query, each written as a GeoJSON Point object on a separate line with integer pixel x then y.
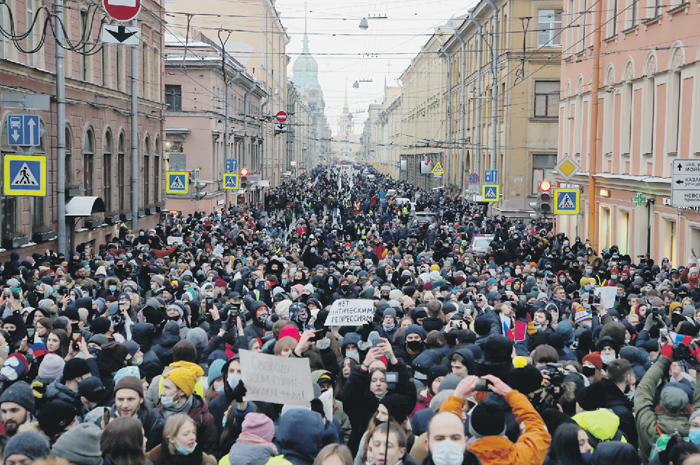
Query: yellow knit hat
{"type": "Point", "coordinates": [184, 378]}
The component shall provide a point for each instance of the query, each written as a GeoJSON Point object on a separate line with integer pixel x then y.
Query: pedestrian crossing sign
{"type": "Point", "coordinates": [230, 181]}
{"type": "Point", "coordinates": [25, 175]}
{"type": "Point", "coordinates": [490, 192]}
{"type": "Point", "coordinates": [177, 182]}
{"type": "Point", "coordinates": [567, 201]}
{"type": "Point", "coordinates": [437, 169]}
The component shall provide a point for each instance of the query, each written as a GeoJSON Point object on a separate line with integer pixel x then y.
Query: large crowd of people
{"type": "Point", "coordinates": [521, 353]}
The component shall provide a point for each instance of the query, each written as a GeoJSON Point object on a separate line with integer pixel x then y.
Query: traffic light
{"type": "Point", "coordinates": [543, 205]}
{"type": "Point", "coordinates": [243, 181]}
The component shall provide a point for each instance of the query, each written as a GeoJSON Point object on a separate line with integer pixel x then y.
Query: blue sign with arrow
{"type": "Point", "coordinates": [491, 176]}
{"type": "Point", "coordinates": [231, 164]}
{"type": "Point", "coordinates": [23, 130]}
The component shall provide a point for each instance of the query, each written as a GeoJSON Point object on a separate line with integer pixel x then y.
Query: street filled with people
{"type": "Point", "coordinates": [428, 329]}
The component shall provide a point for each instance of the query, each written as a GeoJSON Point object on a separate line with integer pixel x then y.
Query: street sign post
{"type": "Point", "coordinates": [23, 130]}
{"type": "Point", "coordinates": [491, 176]}
{"type": "Point", "coordinates": [280, 129]}
{"type": "Point", "coordinates": [567, 167]}
{"type": "Point", "coordinates": [122, 10]}
{"type": "Point", "coordinates": [231, 164]}
{"type": "Point", "coordinates": [39, 102]}
{"type": "Point", "coordinates": [490, 192]}
{"type": "Point", "coordinates": [119, 34]}
{"type": "Point", "coordinates": [281, 117]}
{"type": "Point", "coordinates": [685, 183]}
{"type": "Point", "coordinates": [438, 169]}
{"type": "Point", "coordinates": [473, 178]}
{"type": "Point", "coordinates": [230, 181]}
{"type": "Point", "coordinates": [567, 201]}
{"type": "Point", "coordinates": [177, 182]}
{"type": "Point", "coordinates": [25, 175]}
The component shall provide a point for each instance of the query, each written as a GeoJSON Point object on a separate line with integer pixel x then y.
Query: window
{"type": "Point", "coordinates": [121, 169]}
{"type": "Point", "coordinates": [583, 16]}
{"type": "Point", "coordinates": [145, 67]}
{"type": "Point", "coordinates": [84, 36]}
{"type": "Point", "coordinates": [2, 37]}
{"type": "Point", "coordinates": [612, 19]}
{"type": "Point", "coordinates": [107, 171]}
{"type": "Point", "coordinates": [546, 99]}
{"type": "Point", "coordinates": [633, 13]}
{"type": "Point", "coordinates": [30, 37]}
{"type": "Point", "coordinates": [673, 111]}
{"type": "Point", "coordinates": [88, 161]}
{"type": "Point", "coordinates": [146, 171]}
{"type": "Point", "coordinates": [173, 97]}
{"type": "Point", "coordinates": [626, 125]}
{"type": "Point", "coordinates": [541, 163]}
{"type": "Point", "coordinates": [156, 173]}
{"type": "Point", "coordinates": [549, 28]}
{"type": "Point", "coordinates": [105, 64]}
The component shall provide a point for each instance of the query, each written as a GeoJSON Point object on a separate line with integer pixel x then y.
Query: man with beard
{"type": "Point", "coordinates": [17, 407]}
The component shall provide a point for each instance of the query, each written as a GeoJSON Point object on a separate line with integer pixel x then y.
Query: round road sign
{"type": "Point", "coordinates": [122, 10]}
{"type": "Point", "coordinates": [473, 178]}
{"type": "Point", "coordinates": [281, 116]}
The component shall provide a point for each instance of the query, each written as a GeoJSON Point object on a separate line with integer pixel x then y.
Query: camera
{"type": "Point", "coordinates": [392, 379]}
{"type": "Point", "coordinates": [684, 353]}
{"type": "Point", "coordinates": [482, 385]}
{"type": "Point", "coordinates": [556, 380]}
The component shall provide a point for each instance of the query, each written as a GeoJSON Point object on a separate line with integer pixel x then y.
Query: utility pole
{"type": "Point", "coordinates": [60, 131]}
{"type": "Point", "coordinates": [478, 91]}
{"type": "Point", "coordinates": [135, 169]}
{"type": "Point", "coordinates": [449, 116]}
{"type": "Point", "coordinates": [464, 109]}
{"type": "Point", "coordinates": [494, 93]}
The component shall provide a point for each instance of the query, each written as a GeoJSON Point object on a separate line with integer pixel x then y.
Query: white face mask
{"type": "Point", "coordinates": [447, 453]}
{"type": "Point", "coordinates": [607, 359]}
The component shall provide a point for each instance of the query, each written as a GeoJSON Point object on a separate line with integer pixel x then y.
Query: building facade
{"type": "Point", "coordinates": [346, 145]}
{"type": "Point", "coordinates": [195, 92]}
{"type": "Point", "coordinates": [370, 136]}
{"type": "Point", "coordinates": [301, 133]}
{"type": "Point", "coordinates": [648, 114]}
{"type": "Point", "coordinates": [253, 34]}
{"type": "Point", "coordinates": [388, 130]}
{"type": "Point", "coordinates": [527, 72]}
{"type": "Point", "coordinates": [97, 130]}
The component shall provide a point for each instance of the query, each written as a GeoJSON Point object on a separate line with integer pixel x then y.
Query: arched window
{"type": "Point", "coordinates": [146, 171]}
{"type": "Point", "coordinates": [156, 172]}
{"type": "Point", "coordinates": [69, 157]}
{"type": "Point", "coordinates": [121, 169]}
{"type": "Point", "coordinates": [107, 171]}
{"type": "Point", "coordinates": [88, 161]}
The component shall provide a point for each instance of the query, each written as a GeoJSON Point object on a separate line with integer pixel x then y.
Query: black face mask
{"type": "Point", "coordinates": [414, 346]}
{"type": "Point", "coordinates": [345, 288]}
{"type": "Point", "coordinates": [588, 371]}
{"type": "Point", "coordinates": [173, 318]}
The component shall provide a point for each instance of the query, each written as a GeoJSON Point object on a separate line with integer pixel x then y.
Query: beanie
{"type": "Point", "coordinates": [185, 350]}
{"type": "Point", "coordinates": [14, 367]}
{"type": "Point", "coordinates": [100, 325]}
{"type": "Point", "coordinates": [487, 419]}
{"type": "Point", "coordinates": [215, 370]}
{"type": "Point", "coordinates": [398, 407]}
{"type": "Point", "coordinates": [55, 416]}
{"type": "Point", "coordinates": [21, 394]}
{"type": "Point", "coordinates": [595, 359]}
{"type": "Point", "coordinates": [51, 367]}
{"type": "Point", "coordinates": [92, 389]}
{"type": "Point", "coordinates": [184, 378]}
{"type": "Point", "coordinates": [75, 368]}
{"type": "Point", "coordinates": [290, 330]}
{"type": "Point", "coordinates": [129, 382]}
{"type": "Point", "coordinates": [28, 443]}
{"type": "Point", "coordinates": [260, 425]}
{"type": "Point", "coordinates": [527, 379]}
{"type": "Point", "coordinates": [80, 445]}
{"type": "Point", "coordinates": [582, 315]}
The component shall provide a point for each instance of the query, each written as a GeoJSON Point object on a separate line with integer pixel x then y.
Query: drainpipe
{"type": "Point", "coordinates": [470, 14]}
{"type": "Point", "coordinates": [464, 109]}
{"type": "Point", "coordinates": [246, 105]}
{"type": "Point", "coordinates": [449, 116]}
{"type": "Point", "coordinates": [593, 141]}
{"type": "Point", "coordinates": [227, 148]}
{"type": "Point", "coordinates": [494, 69]}
{"type": "Point", "coordinates": [264, 132]}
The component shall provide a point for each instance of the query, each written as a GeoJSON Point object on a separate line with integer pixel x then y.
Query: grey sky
{"type": "Point", "coordinates": [382, 51]}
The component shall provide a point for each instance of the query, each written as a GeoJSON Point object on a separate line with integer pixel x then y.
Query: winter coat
{"type": "Point", "coordinates": [606, 394]}
{"type": "Point", "coordinates": [160, 456]}
{"type": "Point", "coordinates": [247, 454]}
{"type": "Point", "coordinates": [300, 445]}
{"type": "Point", "coordinates": [530, 448]}
{"type": "Point", "coordinates": [152, 423]}
{"type": "Point", "coordinates": [648, 418]}
{"type": "Point", "coordinates": [206, 429]}
{"type": "Point", "coordinates": [167, 340]}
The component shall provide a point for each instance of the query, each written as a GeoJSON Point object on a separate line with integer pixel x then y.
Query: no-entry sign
{"type": "Point", "coordinates": [281, 116]}
{"type": "Point", "coordinates": [122, 10]}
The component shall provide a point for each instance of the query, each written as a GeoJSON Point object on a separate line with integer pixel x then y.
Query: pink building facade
{"type": "Point", "coordinates": [648, 115]}
{"type": "Point", "coordinates": [98, 136]}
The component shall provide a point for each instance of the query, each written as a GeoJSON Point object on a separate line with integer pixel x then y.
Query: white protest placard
{"type": "Point", "coordinates": [350, 312]}
{"type": "Point", "coordinates": [277, 380]}
{"type": "Point", "coordinates": [607, 296]}
{"type": "Point", "coordinates": [174, 240]}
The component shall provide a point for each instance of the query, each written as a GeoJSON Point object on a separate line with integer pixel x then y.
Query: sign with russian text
{"type": "Point", "coordinates": [277, 380]}
{"type": "Point", "coordinates": [350, 312]}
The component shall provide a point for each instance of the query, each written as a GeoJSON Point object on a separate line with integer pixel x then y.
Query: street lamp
{"type": "Point", "coordinates": [364, 24]}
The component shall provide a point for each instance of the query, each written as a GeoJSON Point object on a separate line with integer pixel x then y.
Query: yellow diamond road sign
{"type": "Point", "coordinates": [567, 167]}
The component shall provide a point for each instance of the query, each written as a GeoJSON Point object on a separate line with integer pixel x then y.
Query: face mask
{"type": "Point", "coordinates": [352, 353]}
{"type": "Point", "coordinates": [562, 280]}
{"type": "Point", "coordinates": [414, 346]}
{"type": "Point", "coordinates": [141, 233]}
{"type": "Point", "coordinates": [112, 288]}
{"type": "Point", "coordinates": [508, 288]}
{"type": "Point", "coordinates": [284, 282]}
{"type": "Point", "coordinates": [168, 401]}
{"type": "Point", "coordinates": [627, 341]}
{"type": "Point", "coordinates": [588, 371]}
{"type": "Point", "coordinates": [694, 436]}
{"type": "Point", "coordinates": [388, 327]}
{"type": "Point", "coordinates": [62, 283]}
{"type": "Point", "coordinates": [630, 395]}
{"type": "Point", "coordinates": [613, 277]}
{"type": "Point", "coordinates": [219, 390]}
{"type": "Point", "coordinates": [607, 359]}
{"type": "Point", "coordinates": [303, 317]}
{"type": "Point", "coordinates": [587, 457]}
{"type": "Point", "coordinates": [448, 453]}
{"type": "Point", "coordinates": [233, 380]}
{"type": "Point", "coordinates": [223, 422]}
{"type": "Point", "coordinates": [589, 272]}
{"type": "Point", "coordinates": [184, 450]}
{"type": "Point", "coordinates": [137, 361]}
{"type": "Point", "coordinates": [345, 288]}
{"type": "Point", "coordinates": [587, 288]}
{"type": "Point", "coordinates": [586, 305]}
{"type": "Point", "coordinates": [538, 327]}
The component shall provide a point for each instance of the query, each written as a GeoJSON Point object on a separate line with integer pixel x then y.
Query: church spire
{"type": "Point", "coordinates": [305, 41]}
{"type": "Point", "coordinates": [345, 107]}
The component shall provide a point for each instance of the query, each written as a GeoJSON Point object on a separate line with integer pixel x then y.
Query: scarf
{"type": "Point", "coordinates": [250, 438]}
{"type": "Point", "coordinates": [186, 407]}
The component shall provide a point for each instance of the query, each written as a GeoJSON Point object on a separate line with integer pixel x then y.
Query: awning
{"type": "Point", "coordinates": [84, 206]}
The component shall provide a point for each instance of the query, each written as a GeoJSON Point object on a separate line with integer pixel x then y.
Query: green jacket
{"type": "Point", "coordinates": [648, 419]}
